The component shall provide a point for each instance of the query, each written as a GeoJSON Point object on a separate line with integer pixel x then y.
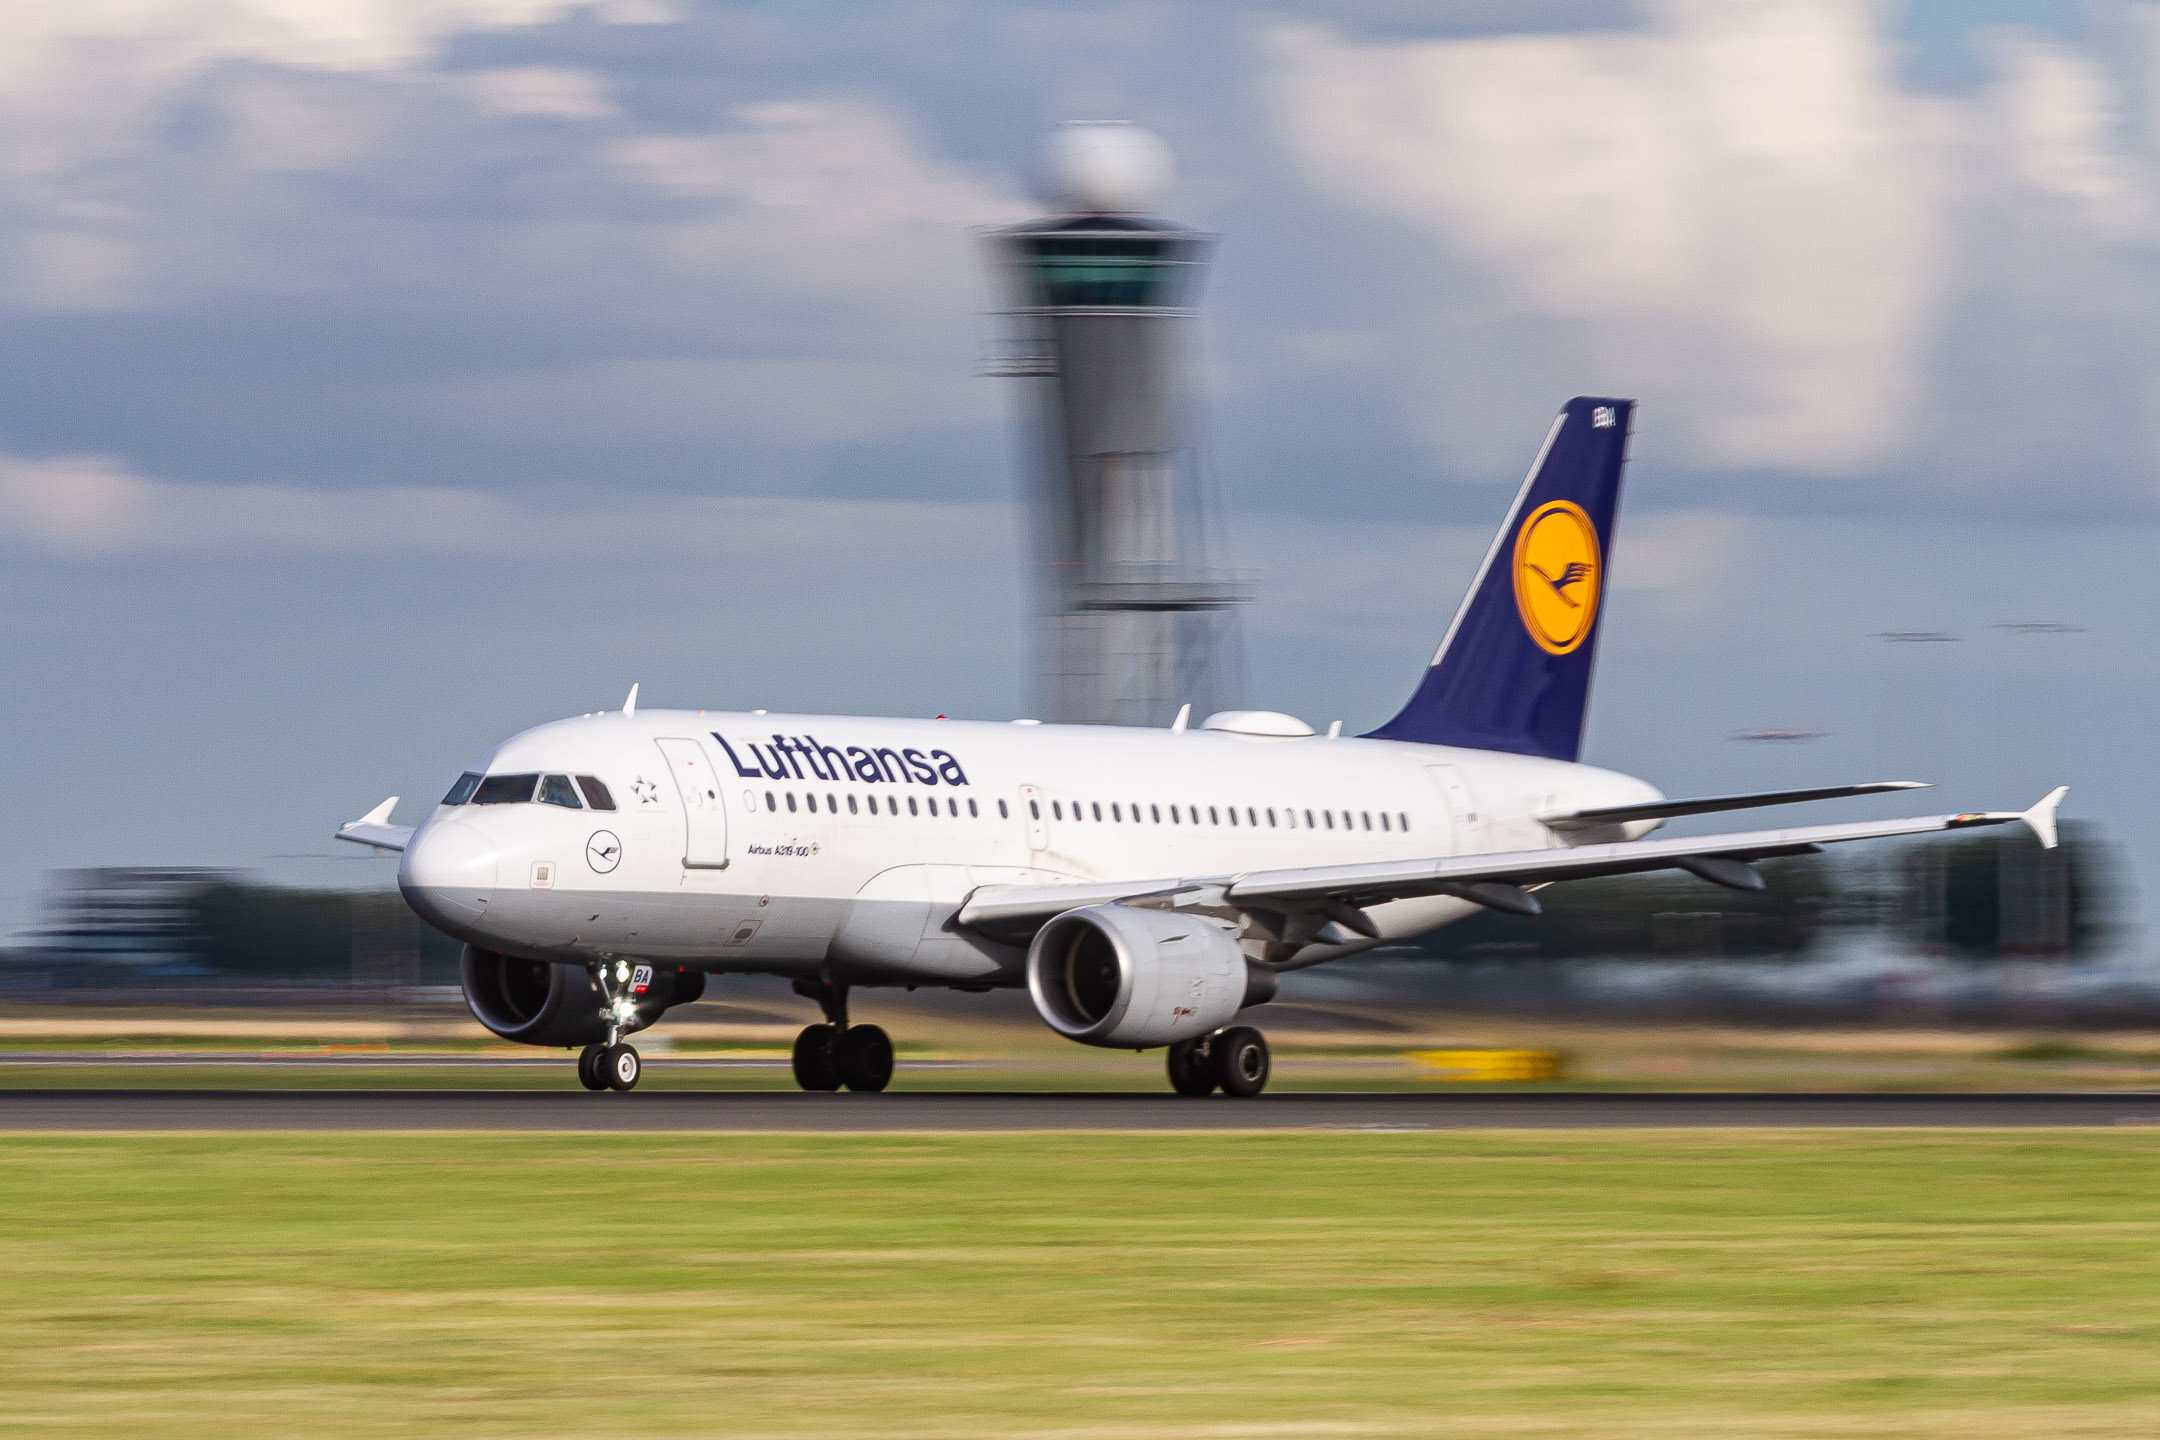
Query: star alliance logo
{"type": "Point", "coordinates": [647, 792]}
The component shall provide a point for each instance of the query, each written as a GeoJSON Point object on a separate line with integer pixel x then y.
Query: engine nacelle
{"type": "Point", "coordinates": [1126, 978]}
{"type": "Point", "coordinates": [535, 1002]}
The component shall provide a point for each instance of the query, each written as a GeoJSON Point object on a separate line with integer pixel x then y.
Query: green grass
{"type": "Point", "coordinates": [1690, 1283]}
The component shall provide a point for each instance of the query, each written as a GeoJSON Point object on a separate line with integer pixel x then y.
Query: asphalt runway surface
{"type": "Point", "coordinates": [679, 1110]}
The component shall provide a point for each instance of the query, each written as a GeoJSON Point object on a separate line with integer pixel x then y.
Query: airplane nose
{"type": "Point", "coordinates": [449, 871]}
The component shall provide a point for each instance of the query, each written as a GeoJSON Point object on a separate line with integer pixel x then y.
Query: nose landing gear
{"type": "Point", "coordinates": [1234, 1060]}
{"type": "Point", "coordinates": [614, 1065]}
{"type": "Point", "coordinates": [836, 1053]}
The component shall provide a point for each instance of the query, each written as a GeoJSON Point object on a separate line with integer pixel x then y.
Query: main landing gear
{"type": "Point", "coordinates": [1235, 1060]}
{"type": "Point", "coordinates": [836, 1053]}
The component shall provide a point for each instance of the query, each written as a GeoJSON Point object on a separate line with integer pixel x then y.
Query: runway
{"type": "Point", "coordinates": [561, 1110]}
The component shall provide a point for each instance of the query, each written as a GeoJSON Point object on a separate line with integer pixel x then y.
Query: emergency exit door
{"type": "Point", "coordinates": [704, 818]}
{"type": "Point", "coordinates": [1461, 807]}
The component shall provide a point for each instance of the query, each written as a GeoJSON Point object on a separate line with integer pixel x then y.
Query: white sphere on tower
{"type": "Point", "coordinates": [1105, 167]}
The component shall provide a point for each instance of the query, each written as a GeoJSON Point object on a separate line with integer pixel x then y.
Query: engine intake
{"type": "Point", "coordinates": [1126, 978]}
{"type": "Point", "coordinates": [535, 1002]}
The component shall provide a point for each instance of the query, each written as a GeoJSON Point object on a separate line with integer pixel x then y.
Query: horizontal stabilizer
{"type": "Point", "coordinates": [1671, 809]}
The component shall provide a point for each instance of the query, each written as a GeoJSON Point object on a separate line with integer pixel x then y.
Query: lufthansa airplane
{"type": "Point", "coordinates": [1146, 886]}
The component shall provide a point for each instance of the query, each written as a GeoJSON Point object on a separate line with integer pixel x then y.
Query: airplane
{"type": "Point", "coordinates": [1146, 886]}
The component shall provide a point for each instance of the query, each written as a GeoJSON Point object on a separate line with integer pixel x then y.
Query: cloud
{"type": "Point", "coordinates": [2064, 131]}
{"type": "Point", "coordinates": [92, 508]}
{"type": "Point", "coordinates": [547, 91]}
{"type": "Point", "coordinates": [1735, 211]}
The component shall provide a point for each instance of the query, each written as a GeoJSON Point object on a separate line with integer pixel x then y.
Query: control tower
{"type": "Point", "coordinates": [1137, 598]}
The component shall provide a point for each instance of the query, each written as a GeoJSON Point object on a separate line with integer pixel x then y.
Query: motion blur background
{"type": "Point", "coordinates": [379, 378]}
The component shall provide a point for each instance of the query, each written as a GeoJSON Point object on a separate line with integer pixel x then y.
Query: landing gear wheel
{"type": "Point", "coordinates": [620, 1067]}
{"type": "Point", "coordinates": [1190, 1072]}
{"type": "Point", "coordinates": [1240, 1057]}
{"type": "Point", "coordinates": [588, 1068]}
{"type": "Point", "coordinates": [864, 1058]}
{"type": "Point", "coordinates": [815, 1068]}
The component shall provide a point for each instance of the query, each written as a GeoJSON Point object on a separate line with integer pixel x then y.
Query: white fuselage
{"type": "Point", "coordinates": [802, 843]}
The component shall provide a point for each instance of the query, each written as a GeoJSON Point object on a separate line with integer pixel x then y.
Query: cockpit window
{"type": "Point", "coordinates": [462, 791]}
{"type": "Point", "coordinates": [557, 790]}
{"type": "Point", "coordinates": [505, 789]}
{"type": "Point", "coordinates": [596, 794]}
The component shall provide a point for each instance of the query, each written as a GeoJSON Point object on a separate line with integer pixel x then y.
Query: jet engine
{"type": "Point", "coordinates": [1127, 978]}
{"type": "Point", "coordinates": [535, 1002]}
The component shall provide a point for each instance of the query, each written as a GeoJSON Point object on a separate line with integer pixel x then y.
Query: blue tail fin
{"type": "Point", "coordinates": [1514, 671]}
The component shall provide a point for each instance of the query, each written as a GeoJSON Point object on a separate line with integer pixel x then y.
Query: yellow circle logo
{"type": "Point", "coordinates": [1558, 575]}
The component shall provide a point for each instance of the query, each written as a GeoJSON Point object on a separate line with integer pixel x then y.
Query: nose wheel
{"type": "Point", "coordinates": [609, 1067]}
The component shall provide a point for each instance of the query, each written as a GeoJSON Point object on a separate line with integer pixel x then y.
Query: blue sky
{"type": "Point", "coordinates": [381, 377]}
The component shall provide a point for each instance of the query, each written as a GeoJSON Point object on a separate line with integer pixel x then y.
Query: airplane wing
{"type": "Point", "coordinates": [1496, 880]}
{"type": "Point", "coordinates": [374, 828]}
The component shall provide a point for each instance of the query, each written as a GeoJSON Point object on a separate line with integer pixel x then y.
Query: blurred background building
{"type": "Point", "coordinates": [1138, 600]}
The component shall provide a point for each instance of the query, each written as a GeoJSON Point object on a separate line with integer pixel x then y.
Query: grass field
{"type": "Point", "coordinates": [1719, 1283]}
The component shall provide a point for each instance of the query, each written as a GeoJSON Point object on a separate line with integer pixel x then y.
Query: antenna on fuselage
{"type": "Point", "coordinates": [629, 704]}
{"type": "Point", "coordinates": [1177, 726]}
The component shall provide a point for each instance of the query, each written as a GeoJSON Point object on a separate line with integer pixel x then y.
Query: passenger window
{"type": "Point", "coordinates": [1252, 817]}
{"type": "Point", "coordinates": [832, 805]}
{"type": "Point", "coordinates": [911, 806]}
{"type": "Point", "coordinates": [1233, 814]}
{"type": "Point", "coordinates": [1309, 821]}
{"type": "Point", "coordinates": [1403, 820]}
{"type": "Point", "coordinates": [791, 802]}
{"type": "Point", "coordinates": [851, 805]}
{"type": "Point", "coordinates": [1329, 816]}
{"type": "Point", "coordinates": [462, 791]}
{"type": "Point", "coordinates": [1115, 812]}
{"type": "Point", "coordinates": [1212, 817]}
{"type": "Point", "coordinates": [1366, 816]}
{"type": "Point", "coordinates": [596, 794]}
{"type": "Point", "coordinates": [1096, 806]}
{"type": "Point", "coordinates": [770, 803]}
{"type": "Point", "coordinates": [1383, 820]}
{"type": "Point", "coordinates": [505, 789]}
{"type": "Point", "coordinates": [1003, 813]}
{"type": "Point", "coordinates": [557, 790]}
{"type": "Point", "coordinates": [973, 813]}
{"type": "Point", "coordinates": [1057, 811]}
{"type": "Point", "coordinates": [1156, 811]}
{"type": "Point", "coordinates": [1173, 815]}
{"type": "Point", "coordinates": [1034, 810]}
{"type": "Point", "coordinates": [1271, 817]}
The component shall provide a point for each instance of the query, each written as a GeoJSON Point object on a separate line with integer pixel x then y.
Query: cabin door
{"type": "Point", "coordinates": [704, 818]}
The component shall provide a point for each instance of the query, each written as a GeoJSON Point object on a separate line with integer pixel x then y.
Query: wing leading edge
{"type": "Point", "coordinates": [1495, 880]}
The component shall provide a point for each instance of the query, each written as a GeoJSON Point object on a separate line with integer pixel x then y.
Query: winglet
{"type": "Point", "coordinates": [629, 704]}
{"type": "Point", "coordinates": [2041, 818]}
{"type": "Point", "coordinates": [1177, 726]}
{"type": "Point", "coordinates": [380, 815]}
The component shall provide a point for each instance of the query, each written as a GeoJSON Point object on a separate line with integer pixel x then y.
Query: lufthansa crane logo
{"type": "Point", "coordinates": [1558, 575]}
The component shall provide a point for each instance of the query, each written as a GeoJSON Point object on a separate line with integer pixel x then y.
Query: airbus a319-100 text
{"type": "Point", "coordinates": [1146, 886]}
